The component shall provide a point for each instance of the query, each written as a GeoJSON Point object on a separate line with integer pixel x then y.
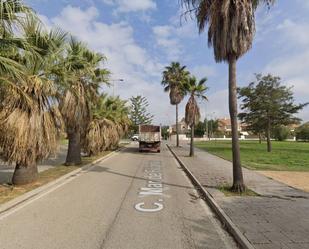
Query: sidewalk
{"type": "Point", "coordinates": [278, 218]}
{"type": "Point", "coordinates": [6, 171]}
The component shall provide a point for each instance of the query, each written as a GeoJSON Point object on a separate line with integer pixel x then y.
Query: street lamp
{"type": "Point", "coordinates": [115, 80]}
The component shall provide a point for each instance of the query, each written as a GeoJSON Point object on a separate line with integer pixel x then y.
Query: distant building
{"type": "Point", "coordinates": [183, 128]}
{"type": "Point", "coordinates": [293, 127]}
{"type": "Point", "coordinates": [224, 125]}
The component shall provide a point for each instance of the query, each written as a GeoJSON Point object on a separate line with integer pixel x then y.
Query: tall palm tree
{"type": "Point", "coordinates": [80, 91]}
{"type": "Point", "coordinates": [231, 28]}
{"type": "Point", "coordinates": [174, 77]}
{"type": "Point", "coordinates": [12, 16]}
{"type": "Point", "coordinates": [30, 122]}
{"type": "Point", "coordinates": [196, 90]}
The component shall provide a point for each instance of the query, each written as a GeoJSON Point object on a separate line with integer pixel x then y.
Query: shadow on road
{"type": "Point", "coordinates": [101, 169]}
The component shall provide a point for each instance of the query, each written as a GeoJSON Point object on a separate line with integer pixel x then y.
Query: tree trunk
{"type": "Point", "coordinates": [269, 149]}
{"type": "Point", "coordinates": [260, 138]}
{"type": "Point", "coordinates": [238, 181]}
{"type": "Point", "coordinates": [192, 141]}
{"type": "Point", "coordinates": [25, 174]}
{"type": "Point", "coordinates": [74, 150]}
{"type": "Point", "coordinates": [177, 129]}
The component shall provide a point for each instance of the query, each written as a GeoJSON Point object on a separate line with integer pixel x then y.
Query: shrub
{"type": "Point", "coordinates": [281, 133]}
{"type": "Point", "coordinates": [302, 133]}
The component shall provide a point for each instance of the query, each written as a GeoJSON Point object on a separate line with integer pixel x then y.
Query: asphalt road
{"type": "Point", "coordinates": [131, 200]}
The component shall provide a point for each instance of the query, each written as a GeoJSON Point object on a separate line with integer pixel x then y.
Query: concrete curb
{"type": "Point", "coordinates": [40, 190]}
{"type": "Point", "coordinates": [223, 217]}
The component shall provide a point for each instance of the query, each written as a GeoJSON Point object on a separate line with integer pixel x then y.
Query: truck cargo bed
{"type": "Point", "coordinates": [149, 138]}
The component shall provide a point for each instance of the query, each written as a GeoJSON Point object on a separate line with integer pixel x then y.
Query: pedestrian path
{"type": "Point", "coordinates": [7, 170]}
{"type": "Point", "coordinates": [278, 218]}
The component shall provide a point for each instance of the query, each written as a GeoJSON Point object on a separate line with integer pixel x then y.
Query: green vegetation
{"type": "Point", "coordinates": [302, 133]}
{"type": "Point", "coordinates": [267, 106]}
{"type": "Point", "coordinates": [196, 89]}
{"type": "Point", "coordinates": [50, 85]}
{"type": "Point", "coordinates": [281, 132]}
{"type": "Point", "coordinates": [226, 190]}
{"type": "Point", "coordinates": [286, 156]}
{"type": "Point", "coordinates": [138, 112]}
{"type": "Point", "coordinates": [231, 30]}
{"type": "Point", "coordinates": [173, 80]}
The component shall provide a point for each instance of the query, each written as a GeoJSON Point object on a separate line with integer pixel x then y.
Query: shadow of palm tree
{"type": "Point", "coordinates": [101, 169]}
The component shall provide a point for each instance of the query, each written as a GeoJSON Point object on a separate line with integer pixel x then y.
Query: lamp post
{"type": "Point", "coordinates": [114, 81]}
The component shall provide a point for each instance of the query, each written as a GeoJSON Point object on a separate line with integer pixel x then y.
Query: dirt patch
{"type": "Point", "coordinates": [298, 180]}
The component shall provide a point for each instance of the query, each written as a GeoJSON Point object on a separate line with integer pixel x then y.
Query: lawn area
{"type": "Point", "coordinates": [286, 156]}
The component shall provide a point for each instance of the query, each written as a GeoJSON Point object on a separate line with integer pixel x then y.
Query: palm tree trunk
{"type": "Point", "coordinates": [238, 181]}
{"type": "Point", "coordinates": [177, 128]}
{"type": "Point", "coordinates": [192, 141]}
{"type": "Point", "coordinates": [25, 174]}
{"type": "Point", "coordinates": [74, 149]}
{"type": "Point", "coordinates": [269, 147]}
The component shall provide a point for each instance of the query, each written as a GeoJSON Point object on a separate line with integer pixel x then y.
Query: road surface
{"type": "Point", "coordinates": [130, 200]}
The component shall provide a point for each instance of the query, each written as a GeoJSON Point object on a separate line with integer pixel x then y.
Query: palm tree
{"type": "Point", "coordinates": [196, 90]}
{"type": "Point", "coordinates": [231, 28]}
{"type": "Point", "coordinates": [30, 122]}
{"type": "Point", "coordinates": [12, 16]}
{"type": "Point", "coordinates": [110, 122]}
{"type": "Point", "coordinates": [174, 76]}
{"type": "Point", "coordinates": [80, 92]}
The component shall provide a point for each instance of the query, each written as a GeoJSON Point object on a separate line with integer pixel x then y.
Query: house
{"type": "Point", "coordinates": [183, 128]}
{"type": "Point", "coordinates": [224, 125]}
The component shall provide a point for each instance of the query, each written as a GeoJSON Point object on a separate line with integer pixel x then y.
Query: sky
{"type": "Point", "coordinates": [141, 37]}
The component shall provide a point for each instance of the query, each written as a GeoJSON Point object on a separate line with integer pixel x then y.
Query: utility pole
{"type": "Point", "coordinates": [114, 81]}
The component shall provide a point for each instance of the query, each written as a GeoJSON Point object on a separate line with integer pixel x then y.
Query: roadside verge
{"type": "Point", "coordinates": [223, 217]}
{"type": "Point", "coordinates": [35, 193]}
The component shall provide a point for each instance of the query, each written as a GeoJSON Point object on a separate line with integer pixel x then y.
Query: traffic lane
{"type": "Point", "coordinates": [76, 215]}
{"type": "Point", "coordinates": [162, 210]}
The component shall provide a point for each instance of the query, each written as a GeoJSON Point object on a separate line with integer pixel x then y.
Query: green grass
{"type": "Point", "coordinates": [64, 141]}
{"type": "Point", "coordinates": [226, 190]}
{"type": "Point", "coordinates": [286, 156]}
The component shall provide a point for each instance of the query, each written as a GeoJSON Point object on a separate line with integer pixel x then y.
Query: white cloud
{"type": "Point", "coordinates": [216, 106]}
{"type": "Point", "coordinates": [132, 5]}
{"type": "Point", "coordinates": [292, 67]}
{"type": "Point", "coordinates": [294, 32]}
{"type": "Point", "coordinates": [167, 40]}
{"type": "Point", "coordinates": [126, 59]}
{"type": "Point", "coordinates": [293, 70]}
{"type": "Point", "coordinates": [202, 71]}
{"type": "Point", "coordinates": [172, 37]}
{"type": "Point", "coordinates": [304, 3]}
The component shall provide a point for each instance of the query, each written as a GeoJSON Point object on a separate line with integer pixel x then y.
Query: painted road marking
{"type": "Point", "coordinates": [154, 187]}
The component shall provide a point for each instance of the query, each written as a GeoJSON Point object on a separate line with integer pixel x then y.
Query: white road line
{"type": "Point", "coordinates": [44, 193]}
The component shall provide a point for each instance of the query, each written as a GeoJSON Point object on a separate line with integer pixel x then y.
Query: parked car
{"type": "Point", "coordinates": [135, 137]}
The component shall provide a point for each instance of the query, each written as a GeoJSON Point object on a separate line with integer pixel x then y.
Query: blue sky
{"type": "Point", "coordinates": [140, 37]}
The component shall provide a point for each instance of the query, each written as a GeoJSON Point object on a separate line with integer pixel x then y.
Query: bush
{"type": "Point", "coordinates": [302, 133]}
{"type": "Point", "coordinates": [281, 133]}
{"type": "Point", "coordinates": [199, 130]}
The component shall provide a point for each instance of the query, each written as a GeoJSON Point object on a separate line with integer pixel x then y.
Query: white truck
{"type": "Point", "coordinates": [149, 138]}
